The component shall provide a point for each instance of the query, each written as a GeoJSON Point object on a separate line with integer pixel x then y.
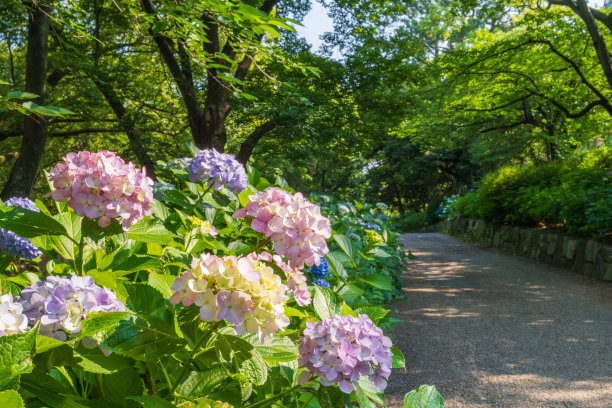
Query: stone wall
{"type": "Point", "coordinates": [584, 256]}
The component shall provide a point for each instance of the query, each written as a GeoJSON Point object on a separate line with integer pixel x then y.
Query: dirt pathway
{"type": "Point", "coordinates": [493, 330]}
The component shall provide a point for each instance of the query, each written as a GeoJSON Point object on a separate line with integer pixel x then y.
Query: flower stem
{"type": "Point", "coordinates": [99, 385]}
{"type": "Point", "coordinates": [193, 354]}
{"type": "Point", "coordinates": [200, 198]}
{"type": "Point", "coordinates": [79, 259]}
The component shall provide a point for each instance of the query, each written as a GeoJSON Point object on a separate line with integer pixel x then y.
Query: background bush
{"type": "Point", "coordinates": [574, 194]}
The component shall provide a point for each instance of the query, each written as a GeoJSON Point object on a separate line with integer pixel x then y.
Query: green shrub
{"type": "Point", "coordinates": [574, 193]}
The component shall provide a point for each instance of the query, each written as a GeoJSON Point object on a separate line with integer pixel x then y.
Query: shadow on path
{"type": "Point", "coordinates": [494, 330]}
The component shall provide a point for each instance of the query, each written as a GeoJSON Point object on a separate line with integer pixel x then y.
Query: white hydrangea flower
{"type": "Point", "coordinates": [12, 319]}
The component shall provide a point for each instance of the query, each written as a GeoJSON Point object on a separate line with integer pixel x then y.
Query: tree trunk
{"type": "Point", "coordinates": [25, 170]}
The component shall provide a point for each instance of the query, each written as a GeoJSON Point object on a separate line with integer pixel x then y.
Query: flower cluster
{"type": "Point", "coordinates": [205, 227]}
{"type": "Point", "coordinates": [321, 270]}
{"type": "Point", "coordinates": [294, 224]}
{"type": "Point", "coordinates": [13, 244]}
{"type": "Point", "coordinates": [102, 186]}
{"type": "Point", "coordinates": [343, 209]}
{"type": "Point", "coordinates": [12, 319]}
{"type": "Point", "coordinates": [319, 273]}
{"type": "Point", "coordinates": [60, 304]}
{"type": "Point", "coordinates": [372, 238]}
{"type": "Point", "coordinates": [370, 226]}
{"type": "Point", "coordinates": [218, 170]}
{"type": "Point", "coordinates": [296, 280]}
{"type": "Point", "coordinates": [341, 349]}
{"type": "Point", "coordinates": [245, 292]}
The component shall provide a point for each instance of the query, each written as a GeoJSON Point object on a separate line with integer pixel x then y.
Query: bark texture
{"type": "Point", "coordinates": [25, 170]}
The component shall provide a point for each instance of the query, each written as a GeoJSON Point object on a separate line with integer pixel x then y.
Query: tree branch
{"type": "Point", "coordinates": [247, 147]}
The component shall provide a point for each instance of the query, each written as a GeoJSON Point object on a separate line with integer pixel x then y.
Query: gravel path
{"type": "Point", "coordinates": [493, 330]}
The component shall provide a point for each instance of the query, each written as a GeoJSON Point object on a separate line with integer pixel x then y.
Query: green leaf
{"type": "Point", "coordinates": [326, 303]}
{"type": "Point", "coordinates": [426, 396]}
{"type": "Point", "coordinates": [335, 262]}
{"type": "Point", "coordinates": [150, 230]}
{"type": "Point", "coordinates": [122, 384]}
{"type": "Point", "coordinates": [239, 247]}
{"type": "Point", "coordinates": [149, 401]}
{"type": "Point", "coordinates": [241, 358]}
{"type": "Point", "coordinates": [102, 323]}
{"type": "Point", "coordinates": [162, 283]}
{"type": "Point", "coordinates": [15, 356]}
{"type": "Point", "coordinates": [374, 313]}
{"type": "Point", "coordinates": [362, 398]}
{"type": "Point", "coordinates": [203, 383]}
{"type": "Point", "coordinates": [49, 390]}
{"type": "Point", "coordinates": [144, 299]}
{"type": "Point", "coordinates": [274, 349]}
{"type": "Point", "coordinates": [28, 224]}
{"type": "Point", "coordinates": [330, 397]}
{"type": "Point", "coordinates": [21, 95]}
{"type": "Point", "coordinates": [398, 359]}
{"type": "Point", "coordinates": [347, 246]}
{"type": "Point", "coordinates": [94, 361]}
{"type": "Point", "coordinates": [11, 399]}
{"type": "Point", "coordinates": [144, 339]}
{"type": "Point", "coordinates": [378, 281]}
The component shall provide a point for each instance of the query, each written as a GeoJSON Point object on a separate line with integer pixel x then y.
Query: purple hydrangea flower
{"type": "Point", "coordinates": [341, 349]}
{"type": "Point", "coordinates": [218, 170]}
{"type": "Point", "coordinates": [13, 244]}
{"type": "Point", "coordinates": [321, 270]}
{"type": "Point", "coordinates": [60, 304]}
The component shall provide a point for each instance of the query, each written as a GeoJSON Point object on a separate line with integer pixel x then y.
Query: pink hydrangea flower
{"type": "Point", "coordinates": [341, 349]}
{"type": "Point", "coordinates": [294, 224]}
{"type": "Point", "coordinates": [243, 291]}
{"type": "Point", "coordinates": [102, 186]}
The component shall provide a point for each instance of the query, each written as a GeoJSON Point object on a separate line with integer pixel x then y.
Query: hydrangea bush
{"type": "Point", "coordinates": [224, 291]}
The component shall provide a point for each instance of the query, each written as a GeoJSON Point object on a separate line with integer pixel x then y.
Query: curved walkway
{"type": "Point", "coordinates": [494, 330]}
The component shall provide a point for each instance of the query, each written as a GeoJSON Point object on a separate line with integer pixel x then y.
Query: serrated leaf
{"type": "Point", "coordinates": [203, 383]}
{"type": "Point", "coordinates": [426, 396]}
{"type": "Point", "coordinates": [28, 224]}
{"type": "Point", "coordinates": [374, 313]}
{"type": "Point", "coordinates": [326, 303]}
{"type": "Point", "coordinates": [11, 399]}
{"type": "Point", "coordinates": [102, 323]}
{"type": "Point", "coordinates": [150, 230]}
{"type": "Point", "coordinates": [144, 339]}
{"type": "Point", "coordinates": [347, 246]}
{"type": "Point", "coordinates": [336, 263]}
{"type": "Point", "coordinates": [378, 281]}
{"type": "Point", "coordinates": [398, 359]}
{"type": "Point", "coordinates": [15, 356]}
{"type": "Point", "coordinates": [240, 357]}
{"type": "Point", "coordinates": [274, 349]}
{"type": "Point", "coordinates": [150, 401]}
{"type": "Point", "coordinates": [330, 397]}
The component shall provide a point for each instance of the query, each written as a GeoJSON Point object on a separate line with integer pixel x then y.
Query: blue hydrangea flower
{"type": "Point", "coordinates": [13, 244]}
{"type": "Point", "coordinates": [322, 283]}
{"type": "Point", "coordinates": [368, 225]}
{"type": "Point", "coordinates": [218, 170]}
{"type": "Point", "coordinates": [321, 270]}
